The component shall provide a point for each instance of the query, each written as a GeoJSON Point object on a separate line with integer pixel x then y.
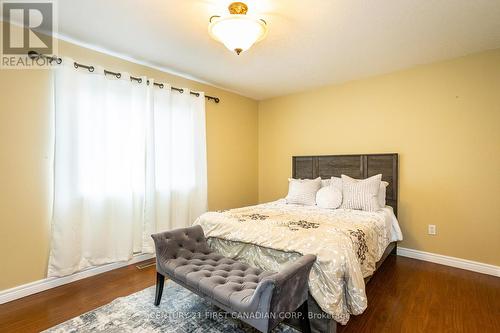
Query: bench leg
{"type": "Point", "coordinates": [305, 325]}
{"type": "Point", "coordinates": [160, 279]}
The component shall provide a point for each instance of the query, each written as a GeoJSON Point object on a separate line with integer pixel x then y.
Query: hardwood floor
{"type": "Point", "coordinates": [408, 295]}
{"type": "Point", "coordinates": [46, 309]}
{"type": "Point", "coordinates": [405, 295]}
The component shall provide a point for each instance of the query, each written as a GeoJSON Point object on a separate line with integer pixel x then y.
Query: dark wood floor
{"type": "Point", "coordinates": [408, 295]}
{"type": "Point", "coordinates": [405, 295]}
{"type": "Point", "coordinates": [46, 309]}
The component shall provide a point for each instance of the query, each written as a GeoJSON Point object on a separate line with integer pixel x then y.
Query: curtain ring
{"type": "Point", "coordinates": [161, 86]}
{"type": "Point", "coordinates": [181, 90]}
{"type": "Point", "coordinates": [118, 75]}
{"type": "Point", "coordinates": [140, 80]}
{"type": "Point", "coordinates": [58, 61]}
{"type": "Point", "coordinates": [75, 64]}
{"type": "Point", "coordinates": [91, 69]}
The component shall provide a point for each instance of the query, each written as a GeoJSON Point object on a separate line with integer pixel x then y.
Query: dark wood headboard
{"type": "Point", "coordinates": [355, 166]}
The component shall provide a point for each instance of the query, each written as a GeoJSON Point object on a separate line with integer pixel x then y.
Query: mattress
{"type": "Point", "coordinates": [347, 243]}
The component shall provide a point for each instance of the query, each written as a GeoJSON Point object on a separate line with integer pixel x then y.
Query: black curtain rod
{"type": "Point", "coordinates": [35, 55]}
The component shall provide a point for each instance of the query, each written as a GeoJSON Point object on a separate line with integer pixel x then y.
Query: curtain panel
{"type": "Point", "coordinates": [129, 161]}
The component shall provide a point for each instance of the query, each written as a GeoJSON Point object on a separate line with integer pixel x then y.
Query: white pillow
{"type": "Point", "coordinates": [337, 183]}
{"type": "Point", "coordinates": [329, 197]}
{"type": "Point", "coordinates": [303, 191]}
{"type": "Point", "coordinates": [381, 193]}
{"type": "Point", "coordinates": [361, 193]}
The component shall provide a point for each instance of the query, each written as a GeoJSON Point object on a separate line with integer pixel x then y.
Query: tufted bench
{"type": "Point", "coordinates": [261, 298]}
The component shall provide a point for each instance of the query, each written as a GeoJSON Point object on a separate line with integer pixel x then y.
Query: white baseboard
{"type": "Point", "coordinates": [450, 261]}
{"type": "Point", "coordinates": [48, 283]}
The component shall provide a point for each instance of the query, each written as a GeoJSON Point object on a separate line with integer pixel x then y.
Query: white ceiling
{"type": "Point", "coordinates": [310, 43]}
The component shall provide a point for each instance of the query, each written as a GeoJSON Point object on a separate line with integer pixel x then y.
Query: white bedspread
{"type": "Point", "coordinates": [347, 243]}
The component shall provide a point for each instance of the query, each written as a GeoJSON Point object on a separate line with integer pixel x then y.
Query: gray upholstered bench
{"type": "Point", "coordinates": [263, 299]}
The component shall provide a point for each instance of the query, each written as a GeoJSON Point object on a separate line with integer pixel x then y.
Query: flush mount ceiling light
{"type": "Point", "coordinates": [237, 31]}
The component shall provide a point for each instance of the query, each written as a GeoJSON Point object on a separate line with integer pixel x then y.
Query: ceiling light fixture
{"type": "Point", "coordinates": [237, 31]}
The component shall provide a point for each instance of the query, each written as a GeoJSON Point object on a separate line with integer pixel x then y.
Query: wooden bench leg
{"type": "Point", "coordinates": [160, 279]}
{"type": "Point", "coordinates": [305, 325]}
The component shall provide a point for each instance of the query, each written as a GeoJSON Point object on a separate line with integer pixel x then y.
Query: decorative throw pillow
{"type": "Point", "coordinates": [381, 193]}
{"type": "Point", "coordinates": [334, 181]}
{"type": "Point", "coordinates": [361, 193]}
{"type": "Point", "coordinates": [303, 191]}
{"type": "Point", "coordinates": [329, 197]}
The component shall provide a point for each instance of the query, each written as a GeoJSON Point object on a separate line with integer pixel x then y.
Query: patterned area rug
{"type": "Point", "coordinates": [180, 311]}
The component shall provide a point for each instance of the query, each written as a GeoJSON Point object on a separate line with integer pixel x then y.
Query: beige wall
{"type": "Point", "coordinates": [25, 153]}
{"type": "Point", "coordinates": [444, 121]}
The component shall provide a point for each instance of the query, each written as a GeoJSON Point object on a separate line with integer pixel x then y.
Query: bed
{"type": "Point", "coordinates": [350, 244]}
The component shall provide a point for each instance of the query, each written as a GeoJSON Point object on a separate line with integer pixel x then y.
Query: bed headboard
{"type": "Point", "coordinates": [355, 166]}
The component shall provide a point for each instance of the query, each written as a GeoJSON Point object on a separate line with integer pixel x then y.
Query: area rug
{"type": "Point", "coordinates": [180, 311]}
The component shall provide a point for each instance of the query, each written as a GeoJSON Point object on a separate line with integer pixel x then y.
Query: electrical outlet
{"type": "Point", "coordinates": [431, 229]}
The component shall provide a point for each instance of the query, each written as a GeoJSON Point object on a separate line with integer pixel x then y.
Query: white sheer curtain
{"type": "Point", "coordinates": [130, 160]}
